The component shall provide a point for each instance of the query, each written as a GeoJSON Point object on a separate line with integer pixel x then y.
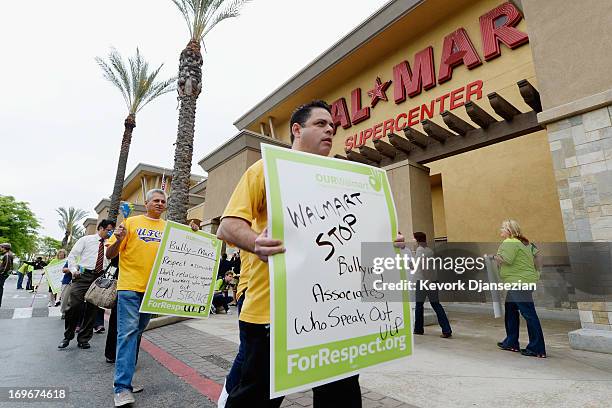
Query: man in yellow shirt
{"type": "Point", "coordinates": [137, 239]}
{"type": "Point", "coordinates": [244, 225]}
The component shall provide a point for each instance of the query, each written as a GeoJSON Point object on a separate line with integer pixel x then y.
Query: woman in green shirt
{"type": "Point", "coordinates": [515, 258]}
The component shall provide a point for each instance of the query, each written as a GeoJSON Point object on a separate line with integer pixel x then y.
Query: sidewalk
{"type": "Point", "coordinates": [465, 371]}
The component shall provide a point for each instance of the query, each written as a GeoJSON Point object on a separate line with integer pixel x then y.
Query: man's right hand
{"type": "Point", "coordinates": [76, 274]}
{"type": "Point", "coordinates": [265, 247]}
{"type": "Point", "coordinates": [120, 232]}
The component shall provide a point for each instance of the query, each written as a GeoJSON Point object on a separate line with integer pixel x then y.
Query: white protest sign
{"type": "Point", "coordinates": [181, 282]}
{"type": "Point", "coordinates": [326, 324]}
{"type": "Point", "coordinates": [55, 274]}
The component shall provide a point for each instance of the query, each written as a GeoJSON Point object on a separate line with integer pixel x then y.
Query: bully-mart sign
{"type": "Point", "coordinates": [409, 81]}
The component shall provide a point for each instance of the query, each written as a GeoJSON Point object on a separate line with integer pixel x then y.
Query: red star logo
{"type": "Point", "coordinates": [378, 92]}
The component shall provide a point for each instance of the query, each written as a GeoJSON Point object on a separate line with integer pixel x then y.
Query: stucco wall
{"type": "Point", "coordinates": [222, 180]}
{"type": "Point", "coordinates": [571, 42]}
{"type": "Point", "coordinates": [513, 179]}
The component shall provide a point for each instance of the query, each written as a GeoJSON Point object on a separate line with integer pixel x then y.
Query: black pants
{"type": "Point", "coordinates": [419, 311]}
{"type": "Point", "coordinates": [2, 280]}
{"type": "Point", "coordinates": [77, 305]}
{"type": "Point", "coordinates": [253, 390]}
{"type": "Point", "coordinates": [29, 285]}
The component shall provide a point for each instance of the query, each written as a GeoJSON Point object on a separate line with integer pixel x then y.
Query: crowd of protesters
{"type": "Point", "coordinates": [132, 247]}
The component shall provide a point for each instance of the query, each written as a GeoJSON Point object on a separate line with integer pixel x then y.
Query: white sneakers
{"type": "Point", "coordinates": [223, 397]}
{"type": "Point", "coordinates": [123, 398]}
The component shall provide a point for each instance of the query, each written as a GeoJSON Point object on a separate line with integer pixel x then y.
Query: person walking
{"type": "Point", "coordinates": [89, 251]}
{"type": "Point", "coordinates": [424, 271]}
{"type": "Point", "coordinates": [243, 224]}
{"type": "Point", "coordinates": [36, 265]}
{"type": "Point", "coordinates": [516, 260]}
{"type": "Point", "coordinates": [6, 266]}
{"type": "Point", "coordinates": [23, 270]}
{"type": "Point", "coordinates": [59, 257]}
{"type": "Point", "coordinates": [136, 241]}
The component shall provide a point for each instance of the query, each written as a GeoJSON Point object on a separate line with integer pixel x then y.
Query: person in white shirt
{"type": "Point", "coordinates": [87, 262]}
{"type": "Point", "coordinates": [425, 271]}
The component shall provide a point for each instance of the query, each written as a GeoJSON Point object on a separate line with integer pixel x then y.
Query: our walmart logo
{"type": "Point", "coordinates": [376, 179]}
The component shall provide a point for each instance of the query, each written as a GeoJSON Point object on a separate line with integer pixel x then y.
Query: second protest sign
{"type": "Point", "coordinates": [182, 279]}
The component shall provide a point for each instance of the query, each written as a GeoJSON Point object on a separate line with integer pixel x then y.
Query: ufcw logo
{"type": "Point", "coordinates": [149, 235]}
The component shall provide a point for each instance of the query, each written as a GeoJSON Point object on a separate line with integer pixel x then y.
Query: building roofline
{"type": "Point", "coordinates": [141, 167]}
{"type": "Point", "coordinates": [364, 32]}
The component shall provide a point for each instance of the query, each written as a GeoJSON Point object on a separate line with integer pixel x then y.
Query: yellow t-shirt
{"type": "Point", "coordinates": [249, 203]}
{"type": "Point", "coordinates": [137, 251]}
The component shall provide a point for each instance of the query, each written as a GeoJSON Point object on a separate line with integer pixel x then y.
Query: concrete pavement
{"type": "Point", "coordinates": [465, 371]}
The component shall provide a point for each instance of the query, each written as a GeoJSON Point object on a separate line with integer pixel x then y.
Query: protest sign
{"type": "Point", "coordinates": [181, 282]}
{"type": "Point", "coordinates": [326, 323]}
{"type": "Point", "coordinates": [54, 273]}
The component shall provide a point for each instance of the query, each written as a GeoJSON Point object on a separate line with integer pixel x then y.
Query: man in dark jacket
{"type": "Point", "coordinates": [6, 266]}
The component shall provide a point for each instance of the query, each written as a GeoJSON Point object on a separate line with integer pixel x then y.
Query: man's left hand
{"type": "Point", "coordinates": [400, 241]}
{"type": "Point", "coordinates": [194, 226]}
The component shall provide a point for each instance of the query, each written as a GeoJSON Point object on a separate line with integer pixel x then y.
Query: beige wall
{"type": "Point", "coordinates": [223, 179]}
{"type": "Point", "coordinates": [571, 43]}
{"type": "Point", "coordinates": [513, 179]}
{"type": "Point", "coordinates": [437, 206]}
{"type": "Point", "coordinates": [412, 195]}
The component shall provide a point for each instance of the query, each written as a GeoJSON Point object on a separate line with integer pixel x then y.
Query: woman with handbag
{"type": "Point", "coordinates": [515, 258]}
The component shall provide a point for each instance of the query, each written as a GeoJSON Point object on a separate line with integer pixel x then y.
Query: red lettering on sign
{"type": "Point", "coordinates": [399, 127]}
{"type": "Point", "coordinates": [427, 111]}
{"type": "Point", "coordinates": [358, 113]}
{"type": "Point", "coordinates": [377, 130]}
{"type": "Point", "coordinates": [455, 98]}
{"type": "Point", "coordinates": [456, 50]}
{"type": "Point", "coordinates": [504, 32]}
{"type": "Point", "coordinates": [413, 116]}
{"type": "Point", "coordinates": [407, 82]}
{"type": "Point", "coordinates": [441, 99]}
{"type": "Point", "coordinates": [473, 88]}
{"type": "Point", "coordinates": [388, 127]}
{"type": "Point", "coordinates": [340, 114]}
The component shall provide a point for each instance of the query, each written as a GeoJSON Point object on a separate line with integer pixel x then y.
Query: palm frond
{"type": "Point", "coordinates": [138, 86]}
{"type": "Point", "coordinates": [203, 15]}
{"type": "Point", "coordinates": [231, 10]}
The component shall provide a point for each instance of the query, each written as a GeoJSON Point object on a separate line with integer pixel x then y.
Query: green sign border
{"type": "Point", "coordinates": [282, 382]}
{"type": "Point", "coordinates": [147, 296]}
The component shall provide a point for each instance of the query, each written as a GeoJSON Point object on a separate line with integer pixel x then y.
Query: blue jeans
{"type": "Point", "coordinates": [233, 377]}
{"type": "Point", "coordinates": [20, 280]}
{"type": "Point", "coordinates": [522, 301]}
{"type": "Point", "coordinates": [419, 311]}
{"type": "Point", "coordinates": [130, 325]}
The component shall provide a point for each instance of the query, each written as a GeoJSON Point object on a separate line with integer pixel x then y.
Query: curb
{"type": "Point", "coordinates": [164, 321]}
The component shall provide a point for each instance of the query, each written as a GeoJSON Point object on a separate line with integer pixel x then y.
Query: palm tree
{"type": "Point", "coordinates": [138, 87]}
{"type": "Point", "coordinates": [201, 16]}
{"type": "Point", "coordinates": [69, 222]}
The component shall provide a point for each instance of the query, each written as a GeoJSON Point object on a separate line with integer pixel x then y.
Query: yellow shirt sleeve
{"type": "Point", "coordinates": [249, 198]}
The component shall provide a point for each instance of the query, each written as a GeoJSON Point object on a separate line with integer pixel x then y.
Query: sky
{"type": "Point", "coordinates": [61, 123]}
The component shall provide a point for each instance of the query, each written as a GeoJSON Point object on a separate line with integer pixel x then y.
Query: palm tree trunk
{"type": "Point", "coordinates": [189, 87]}
{"type": "Point", "coordinates": [129, 124]}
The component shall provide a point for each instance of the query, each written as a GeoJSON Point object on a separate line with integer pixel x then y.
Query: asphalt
{"type": "Point", "coordinates": [30, 359]}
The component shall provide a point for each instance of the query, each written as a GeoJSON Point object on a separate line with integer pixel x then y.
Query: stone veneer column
{"type": "Point", "coordinates": [581, 148]}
